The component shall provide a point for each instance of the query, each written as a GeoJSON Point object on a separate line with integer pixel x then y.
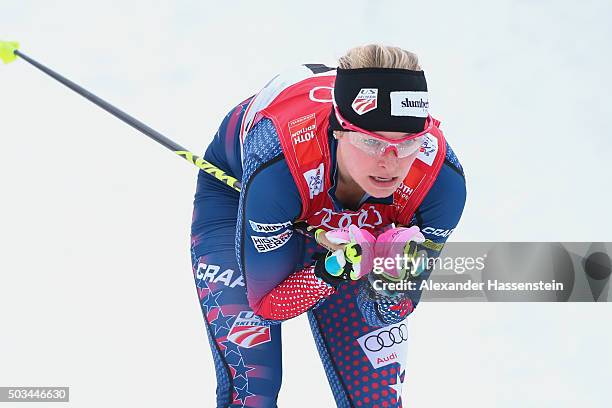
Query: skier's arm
{"type": "Point", "coordinates": [279, 280]}
{"type": "Point", "coordinates": [437, 217]}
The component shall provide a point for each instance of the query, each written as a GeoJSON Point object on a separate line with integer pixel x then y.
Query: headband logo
{"type": "Point", "coordinates": [409, 103]}
{"type": "Point", "coordinates": [365, 101]}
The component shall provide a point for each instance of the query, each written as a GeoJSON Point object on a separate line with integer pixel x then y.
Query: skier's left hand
{"type": "Point", "coordinates": [399, 244]}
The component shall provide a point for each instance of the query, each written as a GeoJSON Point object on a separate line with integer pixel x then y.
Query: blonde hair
{"type": "Point", "coordinates": [379, 56]}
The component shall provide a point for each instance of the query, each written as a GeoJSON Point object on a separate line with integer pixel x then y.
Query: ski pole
{"type": "Point", "coordinates": [9, 52]}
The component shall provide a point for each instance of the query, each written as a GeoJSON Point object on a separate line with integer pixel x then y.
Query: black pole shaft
{"type": "Point", "coordinates": [118, 113]}
{"type": "Point", "coordinates": [138, 125]}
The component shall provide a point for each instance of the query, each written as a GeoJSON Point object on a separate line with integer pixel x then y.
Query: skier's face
{"type": "Point", "coordinates": [379, 176]}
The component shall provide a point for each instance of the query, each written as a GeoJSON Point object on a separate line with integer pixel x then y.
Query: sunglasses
{"type": "Point", "coordinates": [377, 145]}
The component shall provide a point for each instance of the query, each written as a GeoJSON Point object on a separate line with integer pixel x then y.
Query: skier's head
{"type": "Point", "coordinates": [379, 116]}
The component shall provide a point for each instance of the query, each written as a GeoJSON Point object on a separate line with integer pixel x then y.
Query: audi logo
{"type": "Point", "coordinates": [387, 338]}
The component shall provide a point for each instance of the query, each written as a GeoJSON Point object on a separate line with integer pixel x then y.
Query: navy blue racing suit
{"type": "Point", "coordinates": [363, 357]}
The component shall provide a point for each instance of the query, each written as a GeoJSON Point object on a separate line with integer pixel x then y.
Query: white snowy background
{"type": "Point", "coordinates": [96, 288]}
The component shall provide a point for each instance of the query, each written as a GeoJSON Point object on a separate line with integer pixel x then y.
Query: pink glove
{"type": "Point", "coordinates": [352, 245]}
{"type": "Point", "coordinates": [397, 242]}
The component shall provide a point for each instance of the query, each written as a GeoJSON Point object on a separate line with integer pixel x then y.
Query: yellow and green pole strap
{"type": "Point", "coordinates": [9, 51]}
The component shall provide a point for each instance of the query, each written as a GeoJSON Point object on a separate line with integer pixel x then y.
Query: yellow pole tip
{"type": "Point", "coordinates": [7, 51]}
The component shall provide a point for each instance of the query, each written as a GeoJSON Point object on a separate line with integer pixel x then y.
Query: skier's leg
{"type": "Point", "coordinates": [246, 351]}
{"type": "Point", "coordinates": [365, 365]}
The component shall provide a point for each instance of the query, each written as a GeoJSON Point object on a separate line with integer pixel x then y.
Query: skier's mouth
{"type": "Point", "coordinates": [383, 181]}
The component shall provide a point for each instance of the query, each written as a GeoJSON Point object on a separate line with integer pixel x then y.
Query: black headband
{"type": "Point", "coordinates": [381, 99]}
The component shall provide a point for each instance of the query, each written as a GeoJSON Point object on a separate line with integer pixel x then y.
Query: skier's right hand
{"type": "Point", "coordinates": [350, 254]}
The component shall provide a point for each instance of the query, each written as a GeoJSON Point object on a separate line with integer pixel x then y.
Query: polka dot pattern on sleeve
{"type": "Point", "coordinates": [295, 295]}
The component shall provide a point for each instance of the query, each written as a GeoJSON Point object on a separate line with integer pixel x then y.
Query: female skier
{"type": "Point", "coordinates": [339, 168]}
